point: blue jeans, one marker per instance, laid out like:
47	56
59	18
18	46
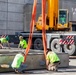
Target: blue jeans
21	68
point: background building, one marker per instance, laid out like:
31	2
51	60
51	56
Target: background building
15	15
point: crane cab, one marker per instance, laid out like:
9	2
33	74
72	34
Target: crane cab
63	19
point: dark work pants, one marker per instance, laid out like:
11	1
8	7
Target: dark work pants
21	68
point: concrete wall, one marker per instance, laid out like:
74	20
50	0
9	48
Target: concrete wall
11	15
28	14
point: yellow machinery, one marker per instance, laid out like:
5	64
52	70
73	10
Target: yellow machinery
56	19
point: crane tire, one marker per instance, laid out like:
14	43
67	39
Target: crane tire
38	44
70	51
55	46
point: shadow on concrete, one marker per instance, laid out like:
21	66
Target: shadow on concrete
69	69
44	71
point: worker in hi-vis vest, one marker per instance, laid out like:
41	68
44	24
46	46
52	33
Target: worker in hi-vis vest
52	61
22	43
18	63
4	40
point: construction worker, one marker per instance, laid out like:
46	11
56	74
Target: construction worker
52	61
18	63
23	43
4	40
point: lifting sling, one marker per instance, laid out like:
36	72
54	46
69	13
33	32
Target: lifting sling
43	26
32	28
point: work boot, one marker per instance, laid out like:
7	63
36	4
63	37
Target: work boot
17	72
55	69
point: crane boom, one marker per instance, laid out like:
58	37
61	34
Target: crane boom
52	12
